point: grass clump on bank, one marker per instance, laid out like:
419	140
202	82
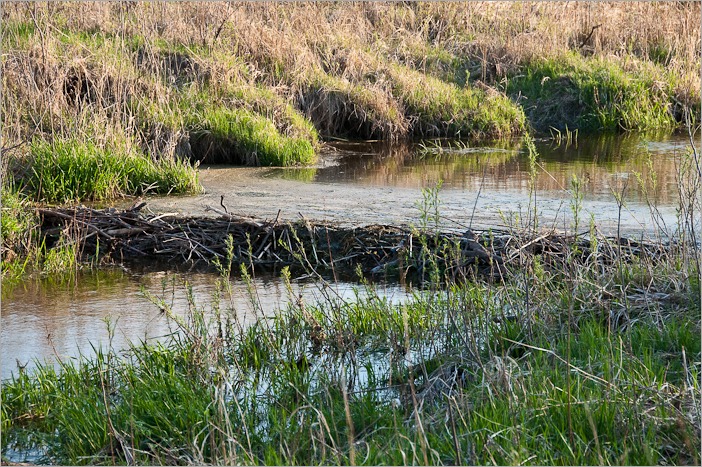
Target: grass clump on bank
69	170
73	170
18	228
235	135
443	109
595	94
24	251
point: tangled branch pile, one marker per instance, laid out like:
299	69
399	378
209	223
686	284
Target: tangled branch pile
376	249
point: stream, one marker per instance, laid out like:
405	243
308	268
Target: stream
482	187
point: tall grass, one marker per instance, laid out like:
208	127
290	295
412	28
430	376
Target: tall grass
381	71
18	228
17	221
444	109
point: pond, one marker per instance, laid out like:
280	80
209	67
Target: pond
354	183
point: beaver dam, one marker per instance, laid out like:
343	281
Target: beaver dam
391	251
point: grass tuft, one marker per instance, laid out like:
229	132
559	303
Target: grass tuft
239	136
71	170
596	94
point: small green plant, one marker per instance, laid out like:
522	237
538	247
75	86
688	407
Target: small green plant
18	222
532	158
576	201
60	259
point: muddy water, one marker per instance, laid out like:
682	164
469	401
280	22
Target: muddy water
46	320
365	183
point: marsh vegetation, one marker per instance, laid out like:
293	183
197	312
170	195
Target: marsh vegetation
552	348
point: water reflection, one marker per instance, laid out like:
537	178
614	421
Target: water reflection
45	319
603	164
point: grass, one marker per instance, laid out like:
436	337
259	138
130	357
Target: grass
444	109
595	94
571	361
24	252
17	221
339	107
398	72
71	170
18	225
235	135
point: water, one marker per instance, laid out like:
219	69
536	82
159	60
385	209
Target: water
601	163
354	183
367	183
46	320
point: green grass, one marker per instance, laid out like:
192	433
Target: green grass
71	170
288	120
18	226
236	135
24	252
595	94
17	219
444	109
18	33
443	378
238	124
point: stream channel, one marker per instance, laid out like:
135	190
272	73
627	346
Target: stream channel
353	184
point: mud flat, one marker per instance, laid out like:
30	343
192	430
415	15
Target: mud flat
253	192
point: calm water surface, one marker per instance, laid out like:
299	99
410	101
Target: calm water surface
486	187
601	163
45	320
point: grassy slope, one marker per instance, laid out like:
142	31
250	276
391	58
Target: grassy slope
596	94
366	71
259	87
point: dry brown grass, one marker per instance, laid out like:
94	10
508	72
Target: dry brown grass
295	33
331	61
